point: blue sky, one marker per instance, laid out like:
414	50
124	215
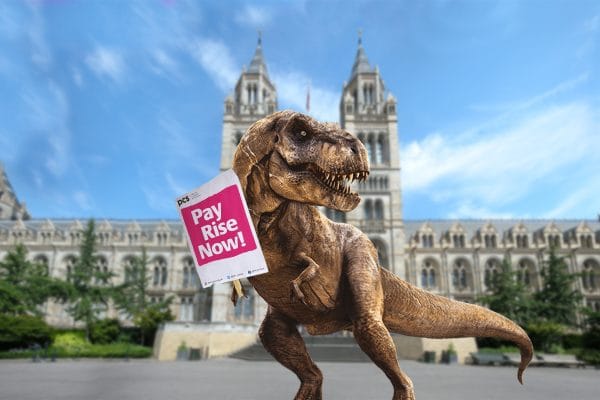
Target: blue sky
111	109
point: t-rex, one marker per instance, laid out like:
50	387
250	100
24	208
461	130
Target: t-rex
325	275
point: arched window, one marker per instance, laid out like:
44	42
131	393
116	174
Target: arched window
129	269
371	151
160	272
524	273
101	270
204	302
156	276
554	241
522	241
427	240
428	275
586	241
188	273
238	138
186	309
460	275
70	262
186	277
491	270
458	240
490	241
42	260
382	254
369	209
379	215
589	275
379	150
368	93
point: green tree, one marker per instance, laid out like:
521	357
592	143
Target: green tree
508	296
25	285
132	298
558	301
149	319
91	291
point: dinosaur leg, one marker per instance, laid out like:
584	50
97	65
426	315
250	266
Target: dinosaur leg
280	337
366	312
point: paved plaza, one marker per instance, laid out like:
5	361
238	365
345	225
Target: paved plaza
225	379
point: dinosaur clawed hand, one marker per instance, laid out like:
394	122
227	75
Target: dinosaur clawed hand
296	295
235	297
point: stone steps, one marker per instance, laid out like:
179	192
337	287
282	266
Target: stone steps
321	348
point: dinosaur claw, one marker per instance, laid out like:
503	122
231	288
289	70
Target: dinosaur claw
296	294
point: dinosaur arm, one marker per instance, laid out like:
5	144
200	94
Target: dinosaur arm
306	275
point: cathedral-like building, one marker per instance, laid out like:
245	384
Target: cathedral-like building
455	258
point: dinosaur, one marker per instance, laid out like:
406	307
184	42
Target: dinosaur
325	275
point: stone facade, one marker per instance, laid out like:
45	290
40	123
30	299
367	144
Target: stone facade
454	258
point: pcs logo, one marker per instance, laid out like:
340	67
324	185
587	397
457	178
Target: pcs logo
182	200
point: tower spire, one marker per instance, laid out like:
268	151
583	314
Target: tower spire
258	65
361	62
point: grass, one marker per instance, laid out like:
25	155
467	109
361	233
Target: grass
74	345
113	350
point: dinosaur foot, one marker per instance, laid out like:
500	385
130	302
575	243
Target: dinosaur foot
404	394
309	391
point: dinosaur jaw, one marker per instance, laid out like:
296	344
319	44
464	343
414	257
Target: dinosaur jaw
309	183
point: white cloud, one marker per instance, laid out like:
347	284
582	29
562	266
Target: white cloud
48	111
177	188
593	24
214	56
504	165
574	203
292	92
82	199
162	63
104	61
254	16
590	33
40	54
77	77
468	210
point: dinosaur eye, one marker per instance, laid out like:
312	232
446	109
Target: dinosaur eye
302	135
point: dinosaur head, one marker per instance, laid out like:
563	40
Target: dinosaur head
306	161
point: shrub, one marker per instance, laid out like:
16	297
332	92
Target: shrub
572	341
114	350
546	336
492	343
105	331
23	331
590	356
70	343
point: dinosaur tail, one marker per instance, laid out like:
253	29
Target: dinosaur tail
414	312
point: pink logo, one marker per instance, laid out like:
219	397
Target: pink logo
218	226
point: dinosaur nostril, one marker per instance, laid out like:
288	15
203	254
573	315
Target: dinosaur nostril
354	150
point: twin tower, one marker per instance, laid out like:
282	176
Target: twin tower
368	112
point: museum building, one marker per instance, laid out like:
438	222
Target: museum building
454	258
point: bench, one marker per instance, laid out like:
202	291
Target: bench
488	359
560	360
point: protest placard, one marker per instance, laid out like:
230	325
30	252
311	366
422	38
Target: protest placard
220	232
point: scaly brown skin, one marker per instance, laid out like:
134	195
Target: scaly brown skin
325	275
